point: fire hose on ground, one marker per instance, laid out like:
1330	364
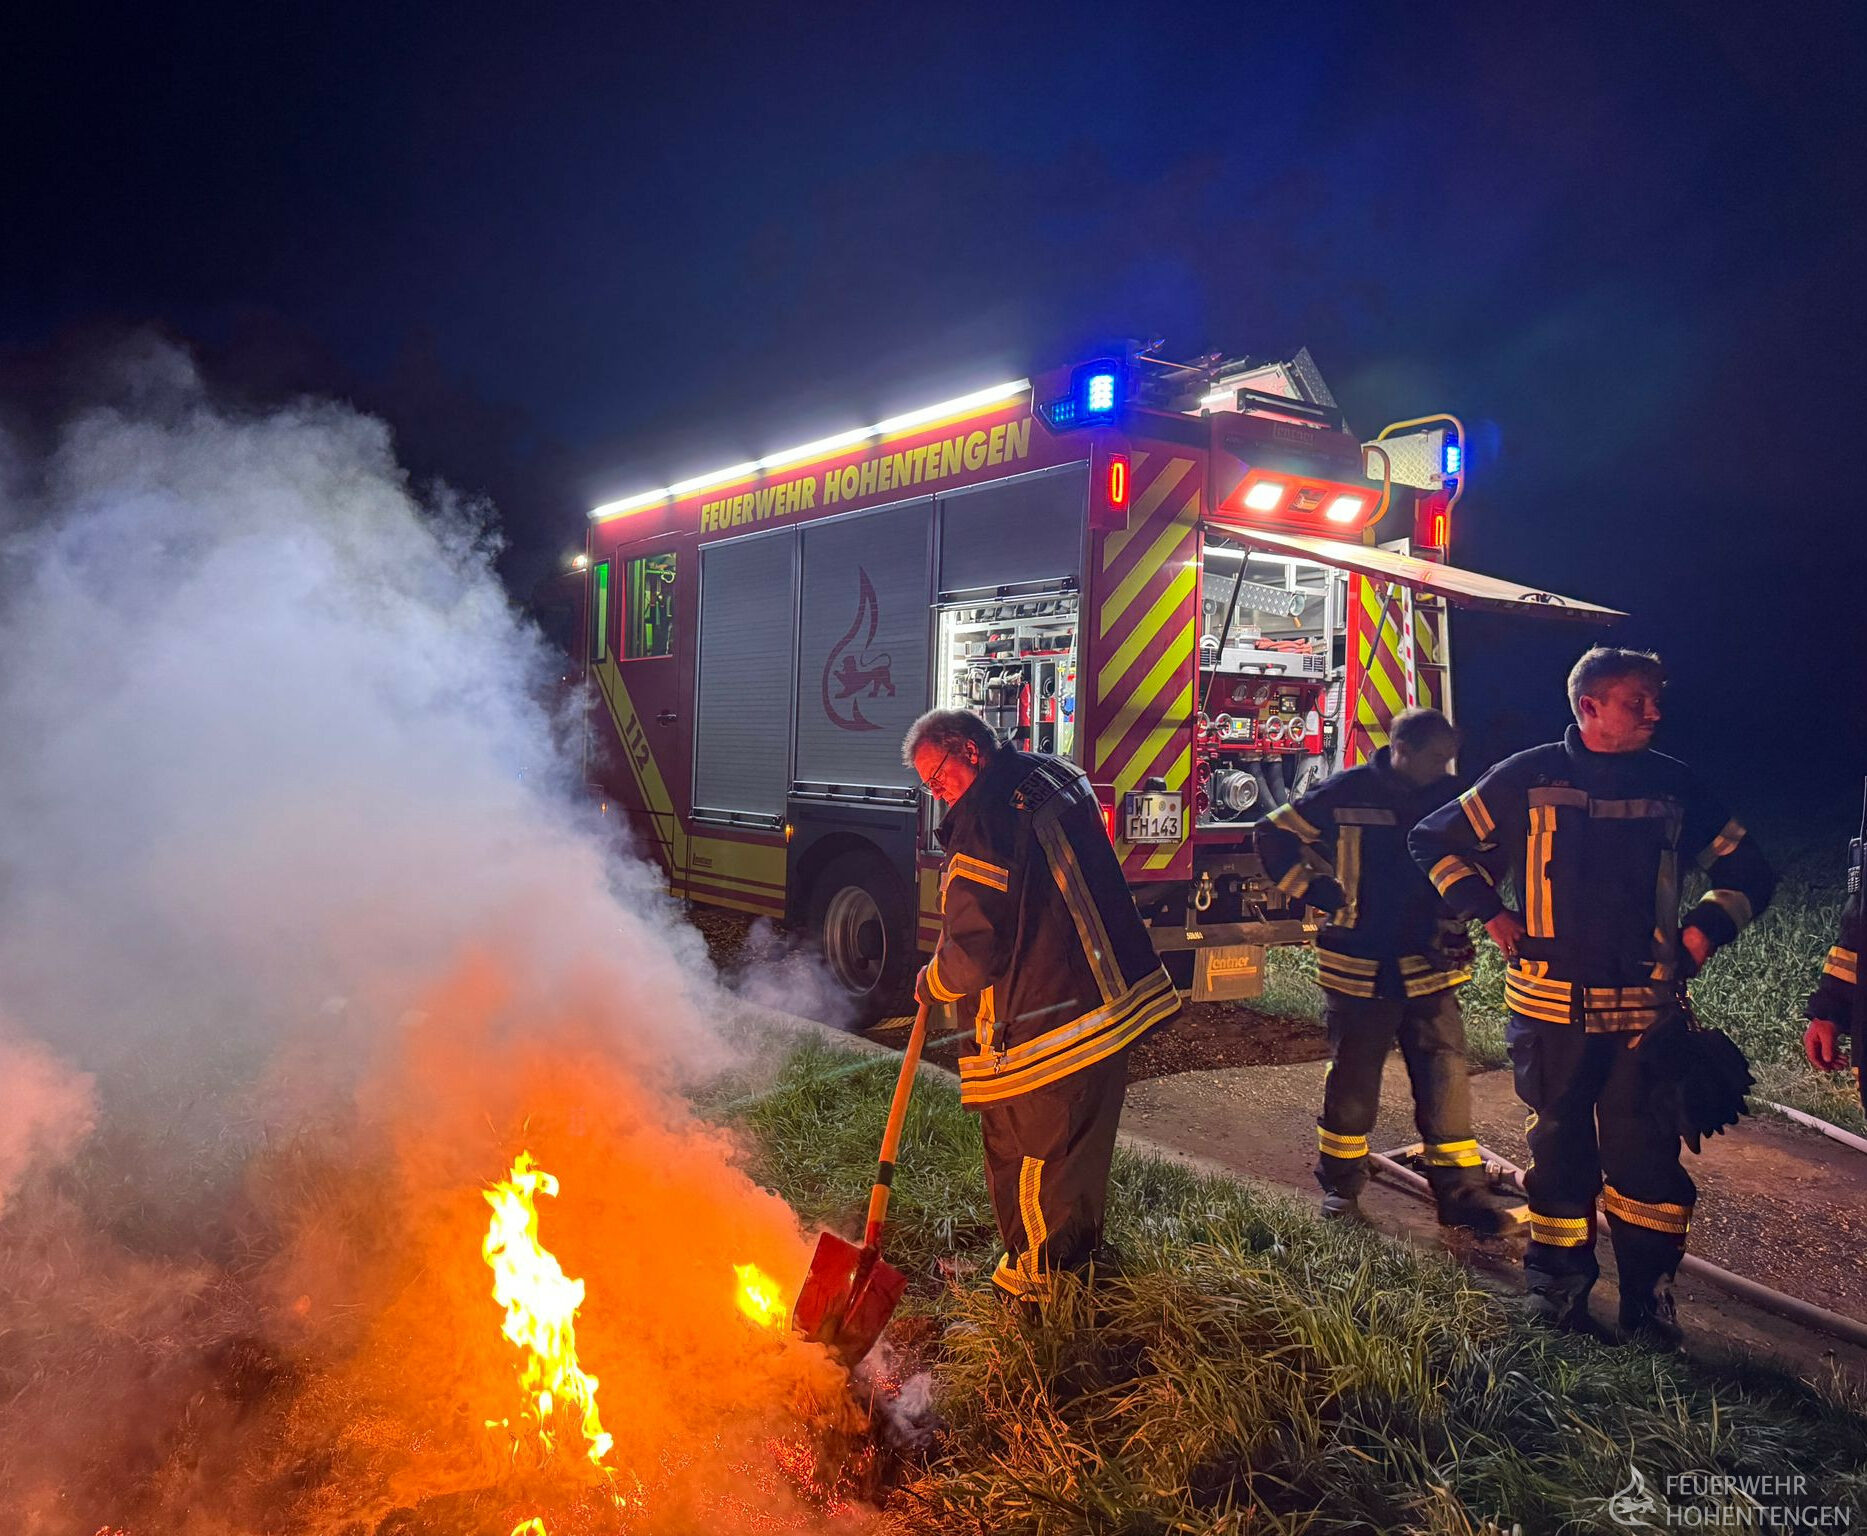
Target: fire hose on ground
1805	1313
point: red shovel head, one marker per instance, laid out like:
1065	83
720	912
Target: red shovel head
847	1299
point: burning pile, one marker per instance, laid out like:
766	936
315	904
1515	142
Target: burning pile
541	1303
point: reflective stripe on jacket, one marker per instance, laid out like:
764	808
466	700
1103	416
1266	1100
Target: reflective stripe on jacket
1040	941
1343	848
1597	846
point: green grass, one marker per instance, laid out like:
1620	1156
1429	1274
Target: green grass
1248	1369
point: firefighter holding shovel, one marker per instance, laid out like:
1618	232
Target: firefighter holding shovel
1044	957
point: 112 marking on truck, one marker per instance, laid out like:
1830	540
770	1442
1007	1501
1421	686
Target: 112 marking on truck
1191	579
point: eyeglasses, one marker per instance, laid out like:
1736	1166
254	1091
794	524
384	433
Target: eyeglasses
933	782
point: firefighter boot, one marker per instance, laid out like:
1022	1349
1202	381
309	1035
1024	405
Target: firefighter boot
1345	1209
1465	1201
1482	1213
1560	1301
1652	1318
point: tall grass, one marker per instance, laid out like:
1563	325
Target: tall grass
1244	1368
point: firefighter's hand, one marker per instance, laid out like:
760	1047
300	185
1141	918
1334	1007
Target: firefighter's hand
1821	1043
1505	930
1697	945
923	994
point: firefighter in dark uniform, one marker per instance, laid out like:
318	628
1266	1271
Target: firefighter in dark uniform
1390	961
1597	833
1043	955
1835	1010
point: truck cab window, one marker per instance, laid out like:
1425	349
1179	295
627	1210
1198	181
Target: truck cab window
649	607
599	611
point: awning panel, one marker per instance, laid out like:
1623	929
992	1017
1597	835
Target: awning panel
1463	589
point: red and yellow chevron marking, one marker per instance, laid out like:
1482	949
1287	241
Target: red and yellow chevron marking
1145	633
1377	675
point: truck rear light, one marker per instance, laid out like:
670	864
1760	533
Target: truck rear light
1099	393
1265	496
1345	509
1115	482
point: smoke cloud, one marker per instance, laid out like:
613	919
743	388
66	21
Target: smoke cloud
305	931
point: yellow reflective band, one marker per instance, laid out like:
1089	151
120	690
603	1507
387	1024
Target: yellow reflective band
1448	872
1735	904
938	987
1561	1231
987	1078
1656	1217
1348	875
1296	879
1843	965
1452	1154
1725	842
1291	819
1354	964
1341	1146
963	866
1436	981
1539	907
1081	905
1477	814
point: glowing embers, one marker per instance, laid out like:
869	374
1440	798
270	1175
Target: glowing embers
541	1304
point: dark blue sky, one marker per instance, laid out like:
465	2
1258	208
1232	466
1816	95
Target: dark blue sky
573	251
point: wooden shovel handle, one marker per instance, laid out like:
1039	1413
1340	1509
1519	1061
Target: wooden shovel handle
891	1138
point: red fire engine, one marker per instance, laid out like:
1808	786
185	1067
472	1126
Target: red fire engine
1168	573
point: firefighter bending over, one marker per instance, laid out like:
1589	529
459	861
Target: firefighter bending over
1390	961
1835	1010
1597	833
1043	955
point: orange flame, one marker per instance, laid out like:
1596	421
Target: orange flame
760	1298
541	1304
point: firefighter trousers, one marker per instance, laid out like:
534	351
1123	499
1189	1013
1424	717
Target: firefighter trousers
1595	1131
1047	1156
1431	1034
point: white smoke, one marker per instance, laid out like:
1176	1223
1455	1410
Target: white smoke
268	725
305	921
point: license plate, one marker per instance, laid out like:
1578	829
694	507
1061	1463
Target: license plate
1152	818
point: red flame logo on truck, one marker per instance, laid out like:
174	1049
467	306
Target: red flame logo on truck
851	672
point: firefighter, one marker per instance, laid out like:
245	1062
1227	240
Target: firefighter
1044	957
1597	832
1835	1011
1390	960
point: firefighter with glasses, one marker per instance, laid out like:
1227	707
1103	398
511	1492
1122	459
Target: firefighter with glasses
1390	960
1043	956
1597	833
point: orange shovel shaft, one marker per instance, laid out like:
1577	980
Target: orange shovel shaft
891	1138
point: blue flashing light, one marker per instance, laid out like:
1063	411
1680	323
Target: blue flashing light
1452	458
1099	394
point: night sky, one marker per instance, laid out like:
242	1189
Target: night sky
574	252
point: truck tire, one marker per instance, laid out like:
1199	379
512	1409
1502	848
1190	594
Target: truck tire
861	919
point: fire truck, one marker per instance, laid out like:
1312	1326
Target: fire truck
1191	579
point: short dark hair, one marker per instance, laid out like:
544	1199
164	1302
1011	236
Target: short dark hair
1604	664
1418	727
947	730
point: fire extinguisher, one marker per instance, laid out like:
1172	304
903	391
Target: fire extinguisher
1024	705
